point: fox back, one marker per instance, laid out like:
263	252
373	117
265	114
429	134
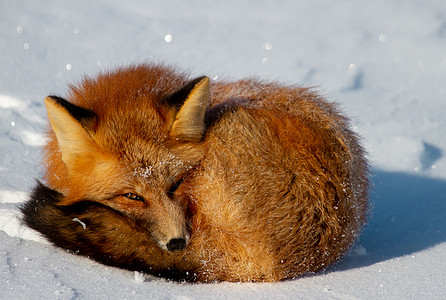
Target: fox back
149	170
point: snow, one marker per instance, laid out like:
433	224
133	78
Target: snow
384	62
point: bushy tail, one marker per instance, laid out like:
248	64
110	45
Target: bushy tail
65	226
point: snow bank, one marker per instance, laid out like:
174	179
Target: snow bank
384	62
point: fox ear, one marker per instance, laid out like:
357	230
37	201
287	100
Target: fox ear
72	125
188	125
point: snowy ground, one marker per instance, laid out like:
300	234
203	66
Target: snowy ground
383	61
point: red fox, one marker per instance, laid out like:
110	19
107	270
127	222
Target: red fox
196	180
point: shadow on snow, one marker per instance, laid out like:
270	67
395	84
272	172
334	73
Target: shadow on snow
408	215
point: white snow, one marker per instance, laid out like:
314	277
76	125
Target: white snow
384	62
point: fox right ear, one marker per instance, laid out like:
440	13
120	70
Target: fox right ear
188	125
72	125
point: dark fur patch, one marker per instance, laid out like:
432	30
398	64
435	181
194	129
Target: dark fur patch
55	222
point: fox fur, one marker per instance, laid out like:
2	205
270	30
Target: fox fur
195	180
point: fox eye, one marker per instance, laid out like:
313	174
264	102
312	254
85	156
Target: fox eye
174	187
132	196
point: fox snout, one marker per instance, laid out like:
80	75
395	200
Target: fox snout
168	224
173	242
177	244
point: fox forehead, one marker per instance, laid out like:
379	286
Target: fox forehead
151	162
169	166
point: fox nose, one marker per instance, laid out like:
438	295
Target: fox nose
176	244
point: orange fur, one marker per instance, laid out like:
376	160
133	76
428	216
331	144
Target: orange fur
273	184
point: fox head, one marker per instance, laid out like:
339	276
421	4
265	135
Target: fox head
130	144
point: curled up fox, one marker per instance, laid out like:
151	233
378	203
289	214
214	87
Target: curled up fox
190	179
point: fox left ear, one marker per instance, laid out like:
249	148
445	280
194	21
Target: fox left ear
72	126
188	125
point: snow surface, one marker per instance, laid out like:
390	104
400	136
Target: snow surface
383	61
